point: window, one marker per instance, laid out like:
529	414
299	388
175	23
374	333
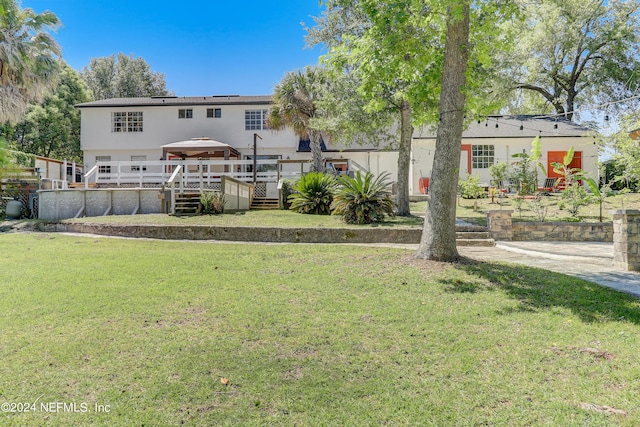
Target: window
214	113
185	113
255	119
122	121
482	156
264	168
136	168
103	168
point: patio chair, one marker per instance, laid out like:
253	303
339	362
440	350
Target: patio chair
549	185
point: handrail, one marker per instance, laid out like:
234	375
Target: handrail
197	172
176	175
358	166
59	184
88	174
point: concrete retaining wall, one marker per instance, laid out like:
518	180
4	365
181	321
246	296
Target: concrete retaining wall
563	231
253	234
501	227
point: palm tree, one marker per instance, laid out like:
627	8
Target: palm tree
295	105
28	58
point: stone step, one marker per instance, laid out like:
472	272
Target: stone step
475	242
465	228
472	235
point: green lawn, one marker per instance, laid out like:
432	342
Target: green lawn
264	218
306	335
465	211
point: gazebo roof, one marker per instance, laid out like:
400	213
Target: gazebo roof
200	147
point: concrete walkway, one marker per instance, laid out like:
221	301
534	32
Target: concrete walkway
589	261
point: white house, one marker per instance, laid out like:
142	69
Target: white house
497	138
133	130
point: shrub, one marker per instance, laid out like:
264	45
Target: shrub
575	196
212	202
363	200
314	194
470	188
286	191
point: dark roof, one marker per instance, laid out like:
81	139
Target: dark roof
178	101
521	126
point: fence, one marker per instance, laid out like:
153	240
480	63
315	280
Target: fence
27	195
199	173
238	195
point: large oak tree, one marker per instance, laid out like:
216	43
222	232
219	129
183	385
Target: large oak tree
122	77
573	53
397	49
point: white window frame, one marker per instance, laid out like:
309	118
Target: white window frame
263	168
185	113
103	168
136	168
214	113
126	121
255	119
482	156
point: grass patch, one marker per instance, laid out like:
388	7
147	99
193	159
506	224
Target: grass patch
305	335
465	211
262	218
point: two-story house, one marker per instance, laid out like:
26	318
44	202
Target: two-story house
141	129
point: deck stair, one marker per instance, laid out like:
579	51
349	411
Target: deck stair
264	203
473	235
188	204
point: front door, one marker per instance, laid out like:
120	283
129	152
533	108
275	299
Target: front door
558	157
465	161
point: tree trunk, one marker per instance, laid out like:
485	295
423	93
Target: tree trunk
438	240
571	97
404	157
315	139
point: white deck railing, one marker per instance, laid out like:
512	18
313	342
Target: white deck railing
194	172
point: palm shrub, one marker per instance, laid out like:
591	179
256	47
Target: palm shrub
314	194
363	200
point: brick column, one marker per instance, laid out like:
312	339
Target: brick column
499	225
626	239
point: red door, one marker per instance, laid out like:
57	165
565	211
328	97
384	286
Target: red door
465	161
557	157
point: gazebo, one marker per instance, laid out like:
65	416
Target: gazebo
200	148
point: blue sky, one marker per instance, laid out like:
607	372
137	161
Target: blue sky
203	47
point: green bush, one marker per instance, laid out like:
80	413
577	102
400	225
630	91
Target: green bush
212	202
314	194
286	191
363	200
470	188
574	197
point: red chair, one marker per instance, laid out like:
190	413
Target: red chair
424	185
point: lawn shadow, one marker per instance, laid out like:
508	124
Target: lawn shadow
538	289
